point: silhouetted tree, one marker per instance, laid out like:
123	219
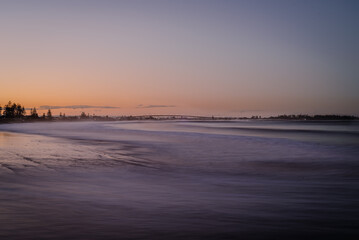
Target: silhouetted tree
33	113
49	114
83	115
9	110
13	110
19	111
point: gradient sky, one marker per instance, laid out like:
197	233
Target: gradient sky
182	57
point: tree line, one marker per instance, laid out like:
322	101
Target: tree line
17	111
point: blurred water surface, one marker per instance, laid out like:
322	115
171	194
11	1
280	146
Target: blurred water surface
179	180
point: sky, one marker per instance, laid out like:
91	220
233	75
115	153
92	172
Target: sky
225	58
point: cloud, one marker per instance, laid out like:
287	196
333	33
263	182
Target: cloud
44	107
155	106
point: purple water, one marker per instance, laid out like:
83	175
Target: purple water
179	180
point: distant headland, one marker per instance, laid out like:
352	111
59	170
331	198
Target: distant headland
16	113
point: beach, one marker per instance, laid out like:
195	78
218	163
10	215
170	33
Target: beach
179	180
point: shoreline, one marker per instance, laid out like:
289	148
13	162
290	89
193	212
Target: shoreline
145	118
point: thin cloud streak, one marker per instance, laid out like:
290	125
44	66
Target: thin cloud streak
155	106
44	107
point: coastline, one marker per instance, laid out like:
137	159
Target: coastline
319	118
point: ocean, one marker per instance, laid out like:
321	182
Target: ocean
249	179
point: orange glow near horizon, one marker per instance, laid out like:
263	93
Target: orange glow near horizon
207	63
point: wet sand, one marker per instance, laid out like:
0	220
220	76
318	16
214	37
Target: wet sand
96	181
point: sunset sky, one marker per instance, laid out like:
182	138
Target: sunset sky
222	57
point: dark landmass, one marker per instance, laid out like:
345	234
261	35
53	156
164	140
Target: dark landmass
315	117
16	113
176	117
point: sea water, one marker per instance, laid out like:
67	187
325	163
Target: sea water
179	180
